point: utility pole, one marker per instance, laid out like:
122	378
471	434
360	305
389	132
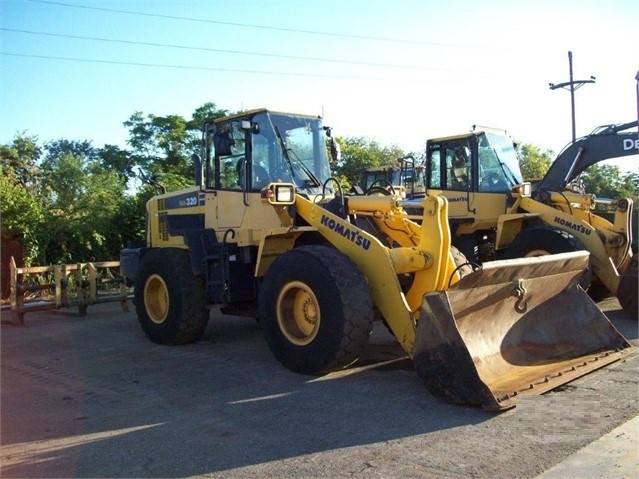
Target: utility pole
572	86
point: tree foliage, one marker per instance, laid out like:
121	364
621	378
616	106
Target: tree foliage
162	145
533	162
119	160
21	204
67	201
607	181
359	153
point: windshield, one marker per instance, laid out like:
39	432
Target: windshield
300	153
382	177
246	153
498	163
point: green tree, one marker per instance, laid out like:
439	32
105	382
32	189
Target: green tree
64	180
533	162
21	212
22	158
82	198
159	143
121	161
127	227
68	201
631	182
81	149
21	205
207	112
163	145
606	181
360	153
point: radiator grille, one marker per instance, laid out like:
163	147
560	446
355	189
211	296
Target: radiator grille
162	228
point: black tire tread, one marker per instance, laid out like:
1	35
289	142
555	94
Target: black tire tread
188	322
351	294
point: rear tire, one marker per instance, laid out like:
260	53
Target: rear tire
315	309
169	298
627	290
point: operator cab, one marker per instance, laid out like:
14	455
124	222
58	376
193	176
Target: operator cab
478	162
246	152
478	173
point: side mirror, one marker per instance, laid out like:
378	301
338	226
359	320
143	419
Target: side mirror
197	169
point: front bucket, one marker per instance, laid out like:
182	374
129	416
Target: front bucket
520	326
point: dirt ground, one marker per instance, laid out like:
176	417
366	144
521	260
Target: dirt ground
92	397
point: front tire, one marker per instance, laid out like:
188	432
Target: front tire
315	310
541	241
169	298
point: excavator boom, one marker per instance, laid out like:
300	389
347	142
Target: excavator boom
613	141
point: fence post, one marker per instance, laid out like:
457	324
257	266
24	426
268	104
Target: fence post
16	297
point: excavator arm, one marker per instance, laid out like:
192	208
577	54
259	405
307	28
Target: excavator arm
604	143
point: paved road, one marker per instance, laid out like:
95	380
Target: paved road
92	397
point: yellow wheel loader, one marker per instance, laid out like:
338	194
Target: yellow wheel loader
267	232
405	177
494	214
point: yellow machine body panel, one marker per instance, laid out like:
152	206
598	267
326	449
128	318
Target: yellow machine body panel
608	246
473	211
190	202
218	211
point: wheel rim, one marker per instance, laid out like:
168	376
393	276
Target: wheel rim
156	299
536	252
298	313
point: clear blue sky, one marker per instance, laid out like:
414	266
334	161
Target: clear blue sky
396	71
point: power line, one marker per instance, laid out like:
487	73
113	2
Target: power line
217	50
190	67
255	26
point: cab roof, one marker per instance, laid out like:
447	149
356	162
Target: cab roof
251	113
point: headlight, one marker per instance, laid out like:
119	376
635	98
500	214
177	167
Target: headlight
523	189
279	193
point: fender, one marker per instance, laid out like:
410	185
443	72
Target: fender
509	226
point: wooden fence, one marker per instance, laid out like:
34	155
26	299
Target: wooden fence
41	288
